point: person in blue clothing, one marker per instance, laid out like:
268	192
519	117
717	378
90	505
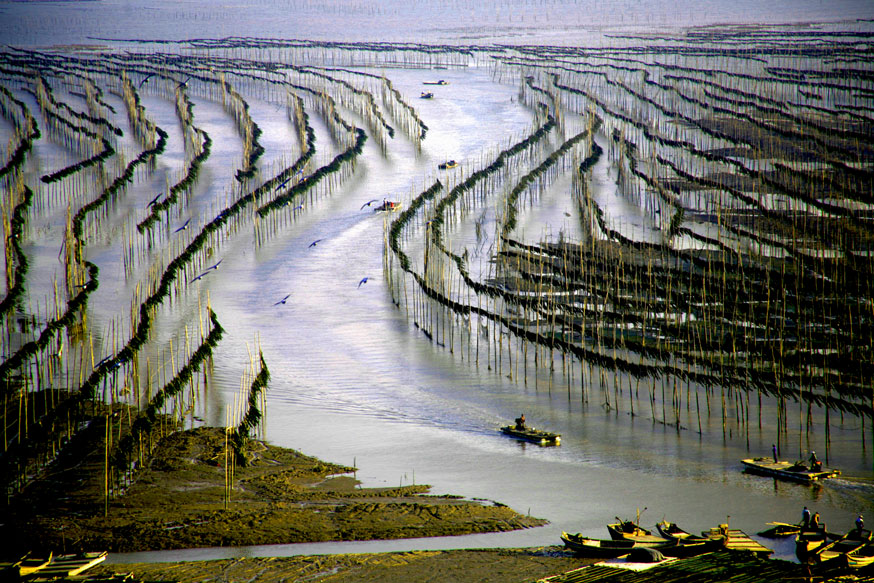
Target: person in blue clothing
860	524
805	518
774	451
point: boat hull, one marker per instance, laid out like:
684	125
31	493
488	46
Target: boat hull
591	548
787	471
533	435
631	532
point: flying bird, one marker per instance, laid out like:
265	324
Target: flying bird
184	82
183	227
214	266
368	203
154	200
149	76
363	280
201	276
283	300
313	244
284	182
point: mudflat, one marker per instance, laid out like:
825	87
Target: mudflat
187	494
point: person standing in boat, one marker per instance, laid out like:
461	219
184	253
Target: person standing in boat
815	464
860	524
774	451
814	522
805	518
520	422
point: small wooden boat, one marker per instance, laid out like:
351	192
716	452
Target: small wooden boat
29	565
533	435
858	558
438	82
627	530
426	95
691	547
388	205
591	548
671	531
448	165
807	541
609	549
780	530
817	548
797	472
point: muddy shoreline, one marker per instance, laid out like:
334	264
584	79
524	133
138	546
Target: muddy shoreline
188	495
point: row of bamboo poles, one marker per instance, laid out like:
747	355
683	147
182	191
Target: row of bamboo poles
748	277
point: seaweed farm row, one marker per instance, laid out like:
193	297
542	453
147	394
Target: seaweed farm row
717	262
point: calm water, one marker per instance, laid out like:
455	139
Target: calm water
352	381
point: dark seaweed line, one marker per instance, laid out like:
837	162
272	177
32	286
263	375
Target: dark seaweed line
252	417
107	152
348	155
736	164
497	164
117	184
94	121
26	142
16	228
146	419
253	132
580	352
719	134
186	116
423	129
713	285
31	348
525	182
187	181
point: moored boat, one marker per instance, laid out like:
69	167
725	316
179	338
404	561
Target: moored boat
448	165
671	531
591	548
533	435
797	472
780	530
426	95
858	558
627	530
819	547
438	82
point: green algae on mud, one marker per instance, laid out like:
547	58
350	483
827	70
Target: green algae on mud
179	500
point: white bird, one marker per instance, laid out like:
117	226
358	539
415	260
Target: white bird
313	244
283	300
368	203
183	227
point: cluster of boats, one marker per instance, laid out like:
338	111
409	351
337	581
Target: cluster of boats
853	550
627	537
